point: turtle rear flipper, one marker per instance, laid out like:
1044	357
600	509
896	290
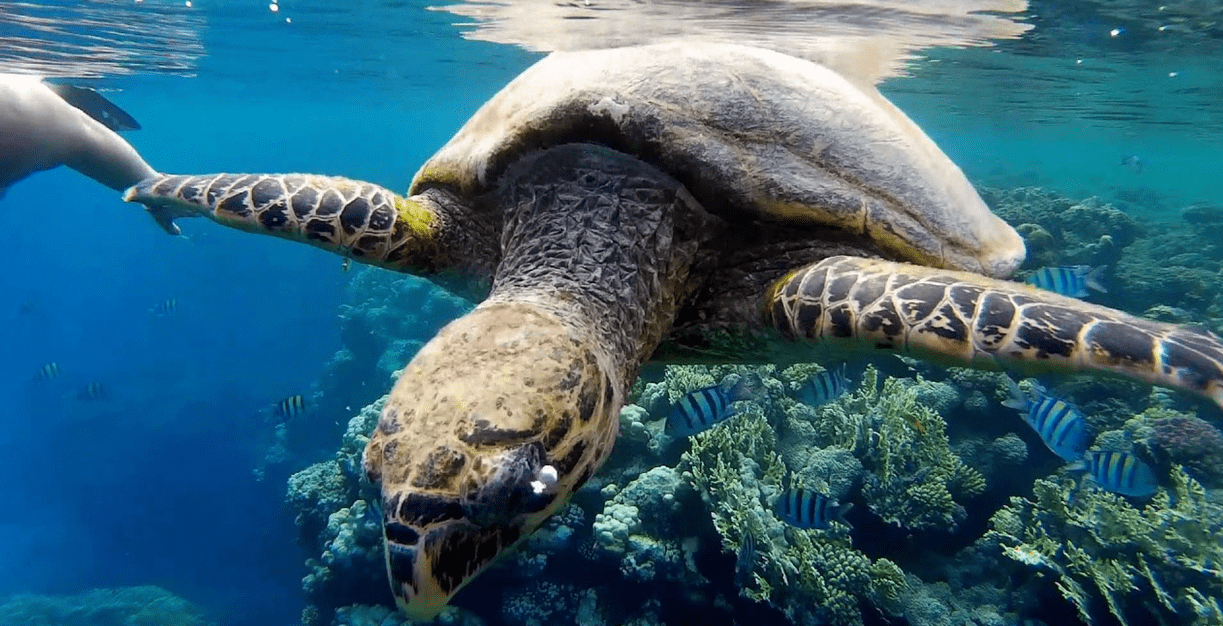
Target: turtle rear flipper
969	319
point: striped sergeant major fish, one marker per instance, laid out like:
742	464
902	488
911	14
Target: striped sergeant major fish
707	407
1073	281
290	407
92	391
162	309
1061	426
824	387
1118	472
48	371
803	508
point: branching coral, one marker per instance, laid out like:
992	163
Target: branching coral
1158	563
913	477
813	576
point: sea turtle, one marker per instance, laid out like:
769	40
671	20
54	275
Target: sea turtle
679	202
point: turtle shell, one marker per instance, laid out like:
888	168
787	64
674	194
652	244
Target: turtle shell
753	134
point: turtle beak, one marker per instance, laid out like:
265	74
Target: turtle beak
435	546
425	576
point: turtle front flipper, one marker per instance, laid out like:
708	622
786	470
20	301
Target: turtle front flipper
429	234
983	322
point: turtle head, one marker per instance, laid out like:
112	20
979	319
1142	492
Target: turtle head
487	433
435	546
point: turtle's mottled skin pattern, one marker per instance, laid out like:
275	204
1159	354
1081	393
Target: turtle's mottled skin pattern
965	318
430	233
541	392
537	374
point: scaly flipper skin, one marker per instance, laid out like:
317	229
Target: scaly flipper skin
429	234
988	323
596	251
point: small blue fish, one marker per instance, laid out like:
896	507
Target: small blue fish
48	371
824	387
803	508
704	408
162	309
745	561
92	391
1061	426
1133	162
291	407
1073	281
1118	472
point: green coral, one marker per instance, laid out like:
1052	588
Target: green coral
813	576
914	478
680	379
1099	544
847	423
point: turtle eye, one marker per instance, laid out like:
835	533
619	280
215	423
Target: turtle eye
521	484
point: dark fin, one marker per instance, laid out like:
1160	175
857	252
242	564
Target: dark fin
96	106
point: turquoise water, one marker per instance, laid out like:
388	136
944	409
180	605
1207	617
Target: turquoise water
178	478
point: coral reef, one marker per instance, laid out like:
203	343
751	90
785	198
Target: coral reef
128	606
649	501
1152	563
1169	271
1060	231
912	479
389	316
353	547
1192	442
337	523
815	577
943	604
551	603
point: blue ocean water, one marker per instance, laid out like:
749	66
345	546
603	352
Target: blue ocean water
157	485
